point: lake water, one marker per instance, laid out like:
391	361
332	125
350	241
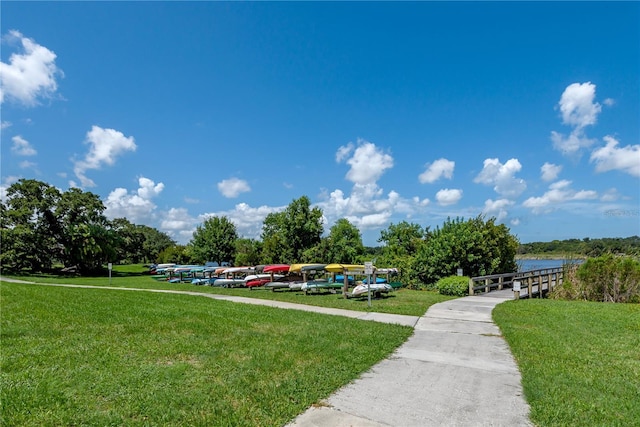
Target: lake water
536	264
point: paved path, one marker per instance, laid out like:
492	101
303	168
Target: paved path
455	370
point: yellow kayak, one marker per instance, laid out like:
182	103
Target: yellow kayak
297	268
345	268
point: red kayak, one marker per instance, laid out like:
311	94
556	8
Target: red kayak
257	283
276	268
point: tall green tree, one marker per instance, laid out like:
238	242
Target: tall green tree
129	241
344	243
274	245
401	242
214	240
476	246
178	254
85	234
29	226
288	234
248	252
41	226
154	243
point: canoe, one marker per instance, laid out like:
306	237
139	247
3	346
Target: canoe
229	283
296	286
277	285
236	270
345	268
378	280
256	283
254	280
319	285
283	282
376	290
297	268
276	268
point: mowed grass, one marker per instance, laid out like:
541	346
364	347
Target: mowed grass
580	361
405	301
75	356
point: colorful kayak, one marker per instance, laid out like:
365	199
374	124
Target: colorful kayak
276	268
376	290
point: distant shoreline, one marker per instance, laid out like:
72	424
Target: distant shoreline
550	256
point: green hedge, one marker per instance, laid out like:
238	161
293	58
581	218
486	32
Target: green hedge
453	285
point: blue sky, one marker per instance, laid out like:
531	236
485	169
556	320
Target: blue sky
379	112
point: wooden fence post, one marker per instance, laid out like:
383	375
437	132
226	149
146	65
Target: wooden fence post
470	286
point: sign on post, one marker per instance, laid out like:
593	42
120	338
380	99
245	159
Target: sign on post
368	270
110	267
368	267
516	289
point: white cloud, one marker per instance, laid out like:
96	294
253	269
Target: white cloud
105	145
609	102
149	189
248	220
446	197
368	162
177	219
578	110
436	170
5	125
21	147
136	206
559	193
344	152
611	195
502	177
370	221
424	202
6	183
549	171
610	157
577	106
233	187
27	164
571	144
178	224
497	208
29	75
367	206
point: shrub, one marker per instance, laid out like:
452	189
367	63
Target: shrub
477	246
453	285
607	278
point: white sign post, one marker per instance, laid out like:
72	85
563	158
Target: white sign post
516	289
110	267
368	270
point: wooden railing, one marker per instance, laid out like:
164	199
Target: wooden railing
525	284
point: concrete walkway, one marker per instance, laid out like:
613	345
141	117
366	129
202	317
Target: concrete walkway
455	370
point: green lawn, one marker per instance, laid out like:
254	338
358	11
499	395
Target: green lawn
151	359
97	357
404	301
580	361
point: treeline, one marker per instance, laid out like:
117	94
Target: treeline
587	247
42	227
